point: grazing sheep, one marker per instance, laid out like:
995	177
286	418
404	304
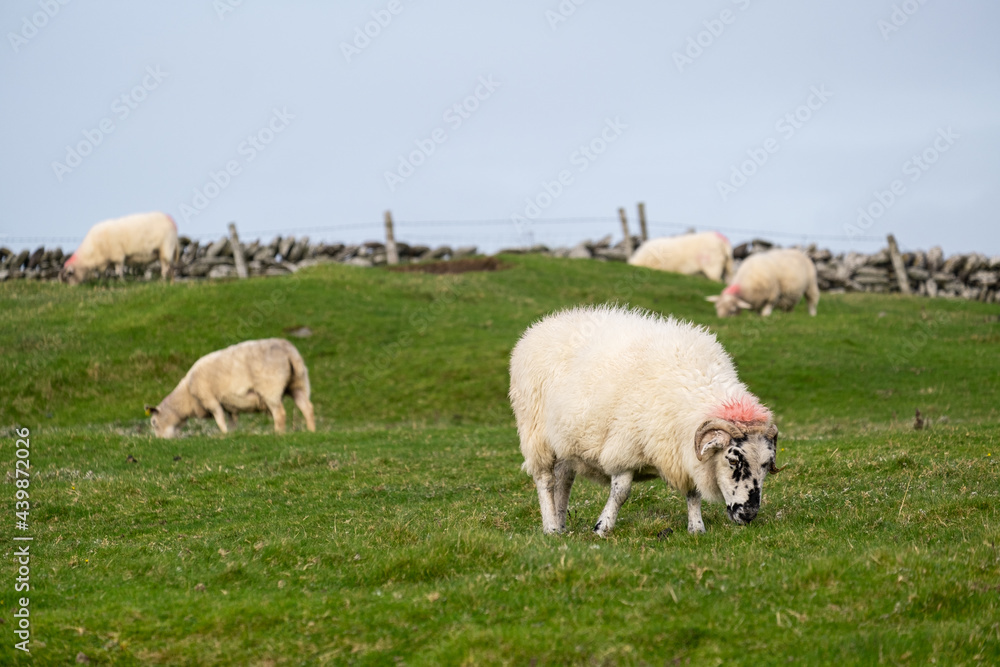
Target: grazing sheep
621	395
708	253
246	377
768	279
139	238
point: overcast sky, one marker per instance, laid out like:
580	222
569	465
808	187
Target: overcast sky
513	122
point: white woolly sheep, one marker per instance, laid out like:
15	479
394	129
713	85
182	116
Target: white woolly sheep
621	395
708	253
247	377
142	237
768	279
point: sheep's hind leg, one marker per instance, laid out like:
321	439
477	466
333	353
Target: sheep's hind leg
565	474
621	486
695	524
305	406
812	298
546	483
277	410
166	270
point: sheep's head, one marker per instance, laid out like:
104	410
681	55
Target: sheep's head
70	273
165	421
729	302
743	454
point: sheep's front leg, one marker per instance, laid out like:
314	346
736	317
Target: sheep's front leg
546	483
120	269
220	417
565	474
767	309
695	524
621	486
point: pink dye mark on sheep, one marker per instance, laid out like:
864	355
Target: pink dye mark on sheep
745	408
72	258
722	236
732	289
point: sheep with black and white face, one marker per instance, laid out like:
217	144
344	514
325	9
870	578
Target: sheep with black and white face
619	396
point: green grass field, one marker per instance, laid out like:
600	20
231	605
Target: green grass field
404	532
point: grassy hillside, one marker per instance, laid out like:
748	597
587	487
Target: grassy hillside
403	530
405	347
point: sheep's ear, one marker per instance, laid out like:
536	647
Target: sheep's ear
151	410
714	434
713	298
772	433
743	304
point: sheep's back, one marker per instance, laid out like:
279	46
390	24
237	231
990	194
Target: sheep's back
134	236
588	376
262	365
680	254
775	272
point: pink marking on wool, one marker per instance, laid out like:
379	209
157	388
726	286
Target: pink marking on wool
722	236
732	289
72	258
171	219
746	408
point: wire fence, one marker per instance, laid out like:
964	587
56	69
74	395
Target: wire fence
493	234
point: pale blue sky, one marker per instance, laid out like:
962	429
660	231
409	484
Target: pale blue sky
310	128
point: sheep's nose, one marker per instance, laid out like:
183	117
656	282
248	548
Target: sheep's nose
742	514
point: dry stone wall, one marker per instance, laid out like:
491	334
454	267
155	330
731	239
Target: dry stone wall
971	276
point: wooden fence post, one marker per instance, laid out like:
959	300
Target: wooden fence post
897	264
234	241
391	254
643	232
628	237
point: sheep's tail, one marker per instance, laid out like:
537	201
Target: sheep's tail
300	374
728	270
175	260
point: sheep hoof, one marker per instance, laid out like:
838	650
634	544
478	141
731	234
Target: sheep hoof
600	530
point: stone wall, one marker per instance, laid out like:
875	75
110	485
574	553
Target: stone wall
967	276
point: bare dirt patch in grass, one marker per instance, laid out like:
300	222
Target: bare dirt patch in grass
454	266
